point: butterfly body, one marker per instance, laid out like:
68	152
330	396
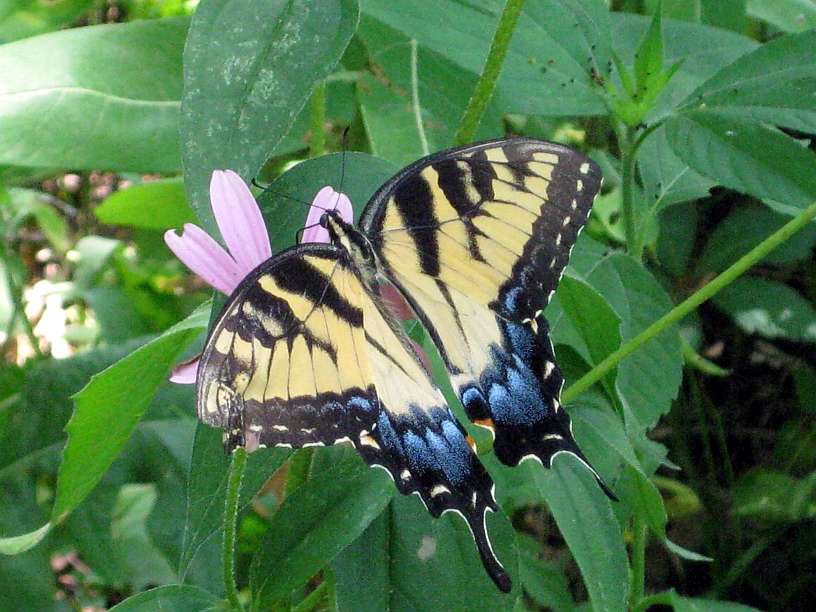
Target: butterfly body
475	240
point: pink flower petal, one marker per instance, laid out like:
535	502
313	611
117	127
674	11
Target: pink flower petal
326	199
205	257
186	372
320	204
343	206
239	220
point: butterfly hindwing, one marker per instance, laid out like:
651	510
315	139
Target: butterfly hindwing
304	355
477	239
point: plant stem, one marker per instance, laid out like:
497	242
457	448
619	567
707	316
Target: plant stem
317	143
490	74
653	600
17	306
628	150
753	256
299	469
236	475
423	140
638	556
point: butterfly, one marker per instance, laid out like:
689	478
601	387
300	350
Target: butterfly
476	238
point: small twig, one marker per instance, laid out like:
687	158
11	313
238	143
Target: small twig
423	140
490	74
688	305
236	475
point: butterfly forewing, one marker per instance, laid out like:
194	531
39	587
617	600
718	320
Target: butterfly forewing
304	355
477	239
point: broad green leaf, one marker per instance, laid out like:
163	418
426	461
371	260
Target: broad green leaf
313	524
649	56
24	18
676	237
15	545
787	15
695	604
249	68
773	84
648	379
386	103
26	580
586	521
745	228
156	205
769	308
110	407
703	51
724	147
543	579
547	66
666	178
406	560
176	597
728	14
591	317
770	496
286	201
207	487
110	93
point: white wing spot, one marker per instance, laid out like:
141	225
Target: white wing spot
558	240
548	369
427	548
566	222
439	490
584	168
574	204
579	186
405	475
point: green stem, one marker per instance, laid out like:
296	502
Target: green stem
628	150
317	144
17	305
299	469
423	140
638	556
236	475
688	305
490	74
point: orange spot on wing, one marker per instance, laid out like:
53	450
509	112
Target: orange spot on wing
486	423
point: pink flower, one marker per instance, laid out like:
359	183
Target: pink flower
242	227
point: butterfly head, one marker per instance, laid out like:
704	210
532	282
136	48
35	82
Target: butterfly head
347	237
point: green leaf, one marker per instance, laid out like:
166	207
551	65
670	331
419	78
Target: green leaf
703	51
111	93
284	203
543	579
649	56
158	205
386	104
24	18
647	380
207	487
250	67
592	318
772	496
110	407
724	147
666	178
585	518
176	597
787	15
742	230
15	545
773	84
768	308
548	63
407	560
313	524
